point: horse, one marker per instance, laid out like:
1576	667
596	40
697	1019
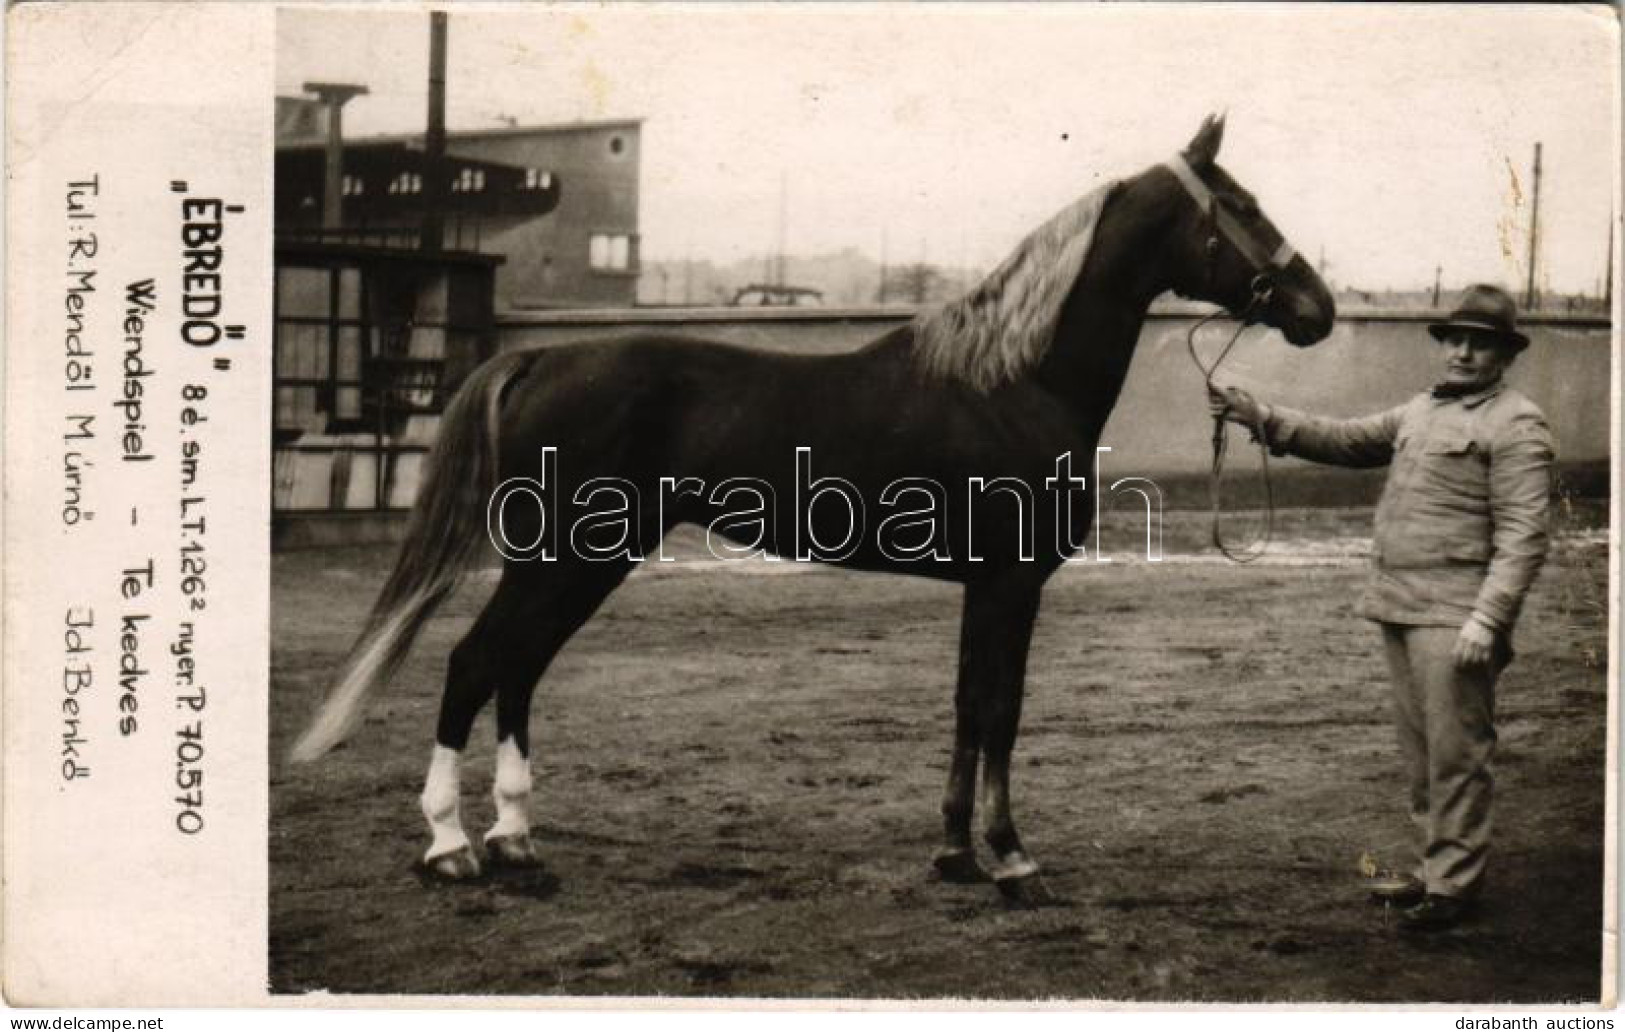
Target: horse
995	391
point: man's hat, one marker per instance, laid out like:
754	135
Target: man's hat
1484	309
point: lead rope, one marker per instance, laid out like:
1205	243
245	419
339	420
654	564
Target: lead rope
1221	444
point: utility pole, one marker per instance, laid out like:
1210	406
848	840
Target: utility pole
334	95
784	215
1438	273
1534	235
922	281
961	274
434	144
1608	279
880	295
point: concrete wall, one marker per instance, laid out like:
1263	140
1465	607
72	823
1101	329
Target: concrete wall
1160	428
811	330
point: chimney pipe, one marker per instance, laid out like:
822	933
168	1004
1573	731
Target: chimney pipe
334	95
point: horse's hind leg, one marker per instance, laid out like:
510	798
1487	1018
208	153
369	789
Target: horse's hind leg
564	596
449	854
532	614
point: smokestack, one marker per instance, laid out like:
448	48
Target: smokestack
334	95
434	144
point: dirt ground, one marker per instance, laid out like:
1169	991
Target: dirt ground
738	775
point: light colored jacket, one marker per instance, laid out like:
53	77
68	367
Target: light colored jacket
1462	526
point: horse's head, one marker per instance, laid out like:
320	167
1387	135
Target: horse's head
1228	253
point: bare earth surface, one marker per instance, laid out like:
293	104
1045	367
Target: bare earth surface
738	775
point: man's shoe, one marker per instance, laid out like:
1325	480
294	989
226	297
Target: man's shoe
1396	891
1435	914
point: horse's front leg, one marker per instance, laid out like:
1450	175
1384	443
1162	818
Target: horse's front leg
995	635
1001	629
956	862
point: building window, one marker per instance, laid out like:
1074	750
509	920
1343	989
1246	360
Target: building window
610	252
353	186
536	179
319	348
469	180
616	145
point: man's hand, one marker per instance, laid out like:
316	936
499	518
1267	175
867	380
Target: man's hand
1475	644
1237	406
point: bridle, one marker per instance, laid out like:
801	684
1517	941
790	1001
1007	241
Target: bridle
1266	264
1222	225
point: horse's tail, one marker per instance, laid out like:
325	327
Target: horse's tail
442	537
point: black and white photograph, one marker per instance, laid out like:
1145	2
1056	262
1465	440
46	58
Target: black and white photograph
860	505
896	502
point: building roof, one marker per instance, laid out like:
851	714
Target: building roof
454	135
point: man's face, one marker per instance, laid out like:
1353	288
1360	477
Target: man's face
1473	359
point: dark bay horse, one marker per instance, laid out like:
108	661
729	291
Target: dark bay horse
938	450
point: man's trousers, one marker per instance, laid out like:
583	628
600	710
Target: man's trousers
1445	716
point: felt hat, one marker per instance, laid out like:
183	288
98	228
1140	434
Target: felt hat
1484	309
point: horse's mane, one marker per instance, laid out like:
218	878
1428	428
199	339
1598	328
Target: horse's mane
1004	326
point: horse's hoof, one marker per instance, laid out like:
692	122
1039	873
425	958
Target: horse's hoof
458	865
1025	893
958	867
1018	881
515	850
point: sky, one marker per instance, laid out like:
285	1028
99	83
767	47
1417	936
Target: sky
1391	140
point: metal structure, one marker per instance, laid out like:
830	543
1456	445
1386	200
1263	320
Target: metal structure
369	342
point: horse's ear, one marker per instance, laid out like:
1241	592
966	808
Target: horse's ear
1204	146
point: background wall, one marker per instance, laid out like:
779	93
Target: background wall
1160	429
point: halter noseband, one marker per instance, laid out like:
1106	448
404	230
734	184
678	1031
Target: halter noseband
1225	225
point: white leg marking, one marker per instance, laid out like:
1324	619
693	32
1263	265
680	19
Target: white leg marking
441	804
511	789
1016	865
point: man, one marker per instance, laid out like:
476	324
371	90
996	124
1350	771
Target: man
1461	532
